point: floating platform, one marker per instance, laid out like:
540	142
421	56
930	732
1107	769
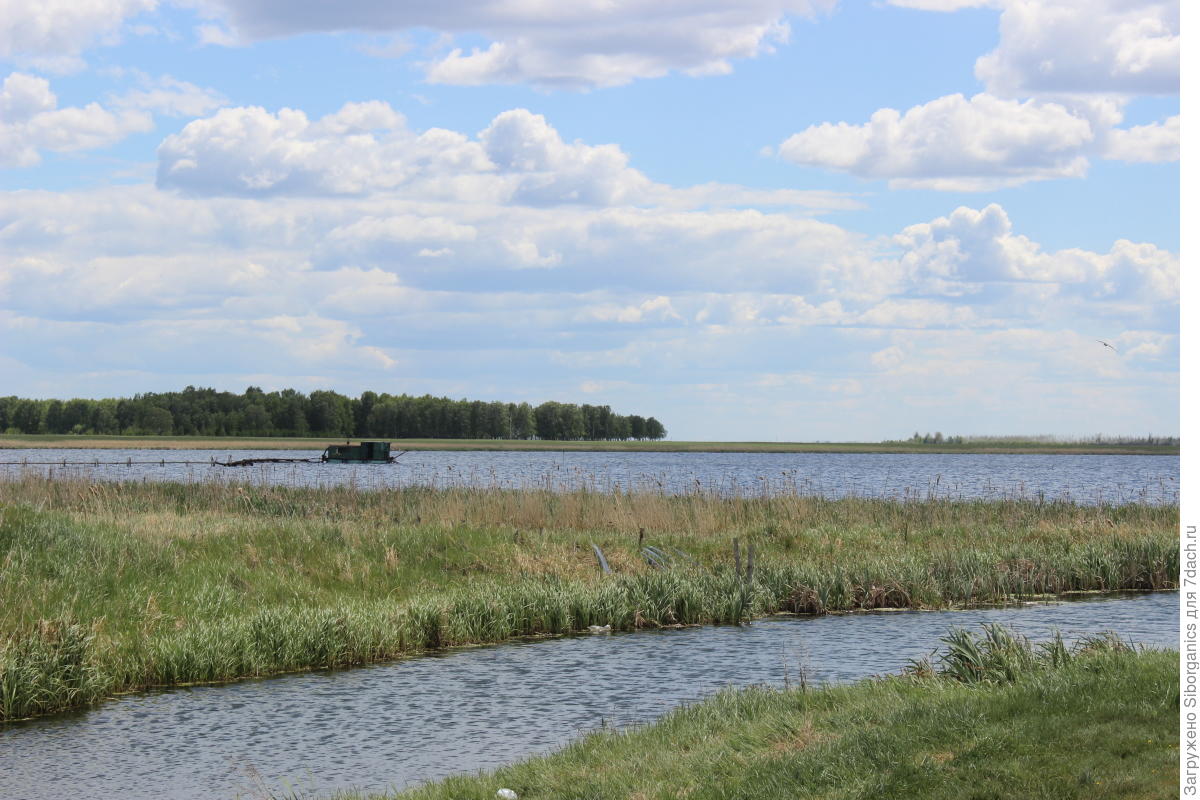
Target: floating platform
362	453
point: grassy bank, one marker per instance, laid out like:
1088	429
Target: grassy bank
14	441
114	587
1097	722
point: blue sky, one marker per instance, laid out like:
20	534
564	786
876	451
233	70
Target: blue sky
772	219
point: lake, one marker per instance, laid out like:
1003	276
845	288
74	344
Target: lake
1080	478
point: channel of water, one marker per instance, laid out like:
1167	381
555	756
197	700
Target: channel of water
419	719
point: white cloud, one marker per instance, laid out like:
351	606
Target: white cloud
51	33
367	147
888	357
519	142
1061	47
135	252
30	122
1156	142
215	35
171	97
575	45
1056	87
918	314
1084	46
978	246
656	308
952	143
985	143
132	278
945	5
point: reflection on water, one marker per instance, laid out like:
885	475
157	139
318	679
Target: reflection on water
1082	478
396	724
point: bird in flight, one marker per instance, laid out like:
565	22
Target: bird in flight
1109	346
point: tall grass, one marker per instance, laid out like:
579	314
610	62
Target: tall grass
112	587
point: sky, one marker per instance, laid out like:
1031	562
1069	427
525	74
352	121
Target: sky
774	220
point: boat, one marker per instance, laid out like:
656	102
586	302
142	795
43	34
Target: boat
361	453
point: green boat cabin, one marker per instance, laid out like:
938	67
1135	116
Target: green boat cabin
362	452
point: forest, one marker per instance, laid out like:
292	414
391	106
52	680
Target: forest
207	412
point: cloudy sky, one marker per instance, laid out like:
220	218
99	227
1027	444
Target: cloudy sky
762	219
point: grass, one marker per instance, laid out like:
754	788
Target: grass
288	443
1038	723
106	588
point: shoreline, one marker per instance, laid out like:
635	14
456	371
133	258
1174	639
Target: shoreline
1034	731
53	441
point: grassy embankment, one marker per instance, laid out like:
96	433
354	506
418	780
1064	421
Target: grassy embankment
16	441
107	588
1000	719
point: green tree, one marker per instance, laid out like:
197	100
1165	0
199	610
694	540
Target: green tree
155	420
255	421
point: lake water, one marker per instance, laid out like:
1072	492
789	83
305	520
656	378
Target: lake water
397	724
1081	478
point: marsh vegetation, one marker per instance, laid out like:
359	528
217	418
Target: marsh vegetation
111	587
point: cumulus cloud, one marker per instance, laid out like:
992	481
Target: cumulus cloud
52	33
983	143
367	147
952	143
1156	142
364	148
970	246
1077	46
576	46
31	121
1056	88
553	171
138	251
127	278
1084	46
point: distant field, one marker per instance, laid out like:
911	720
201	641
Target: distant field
284	443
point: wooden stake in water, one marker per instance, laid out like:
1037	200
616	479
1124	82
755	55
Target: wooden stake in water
737	559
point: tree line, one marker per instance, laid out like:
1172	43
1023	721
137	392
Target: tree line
207	412
1100	439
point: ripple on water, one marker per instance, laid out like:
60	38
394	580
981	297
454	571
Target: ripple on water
1082	478
459	711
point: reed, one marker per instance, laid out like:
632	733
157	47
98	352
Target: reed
107	588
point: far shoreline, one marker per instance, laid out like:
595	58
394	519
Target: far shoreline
101	442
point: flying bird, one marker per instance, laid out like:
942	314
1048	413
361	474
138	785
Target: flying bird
1109	346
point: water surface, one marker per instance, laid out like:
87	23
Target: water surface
1081	478
397	724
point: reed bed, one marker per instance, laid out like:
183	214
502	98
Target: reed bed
106	587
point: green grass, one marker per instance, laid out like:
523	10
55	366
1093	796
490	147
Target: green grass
106	588
292	443
1099	721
